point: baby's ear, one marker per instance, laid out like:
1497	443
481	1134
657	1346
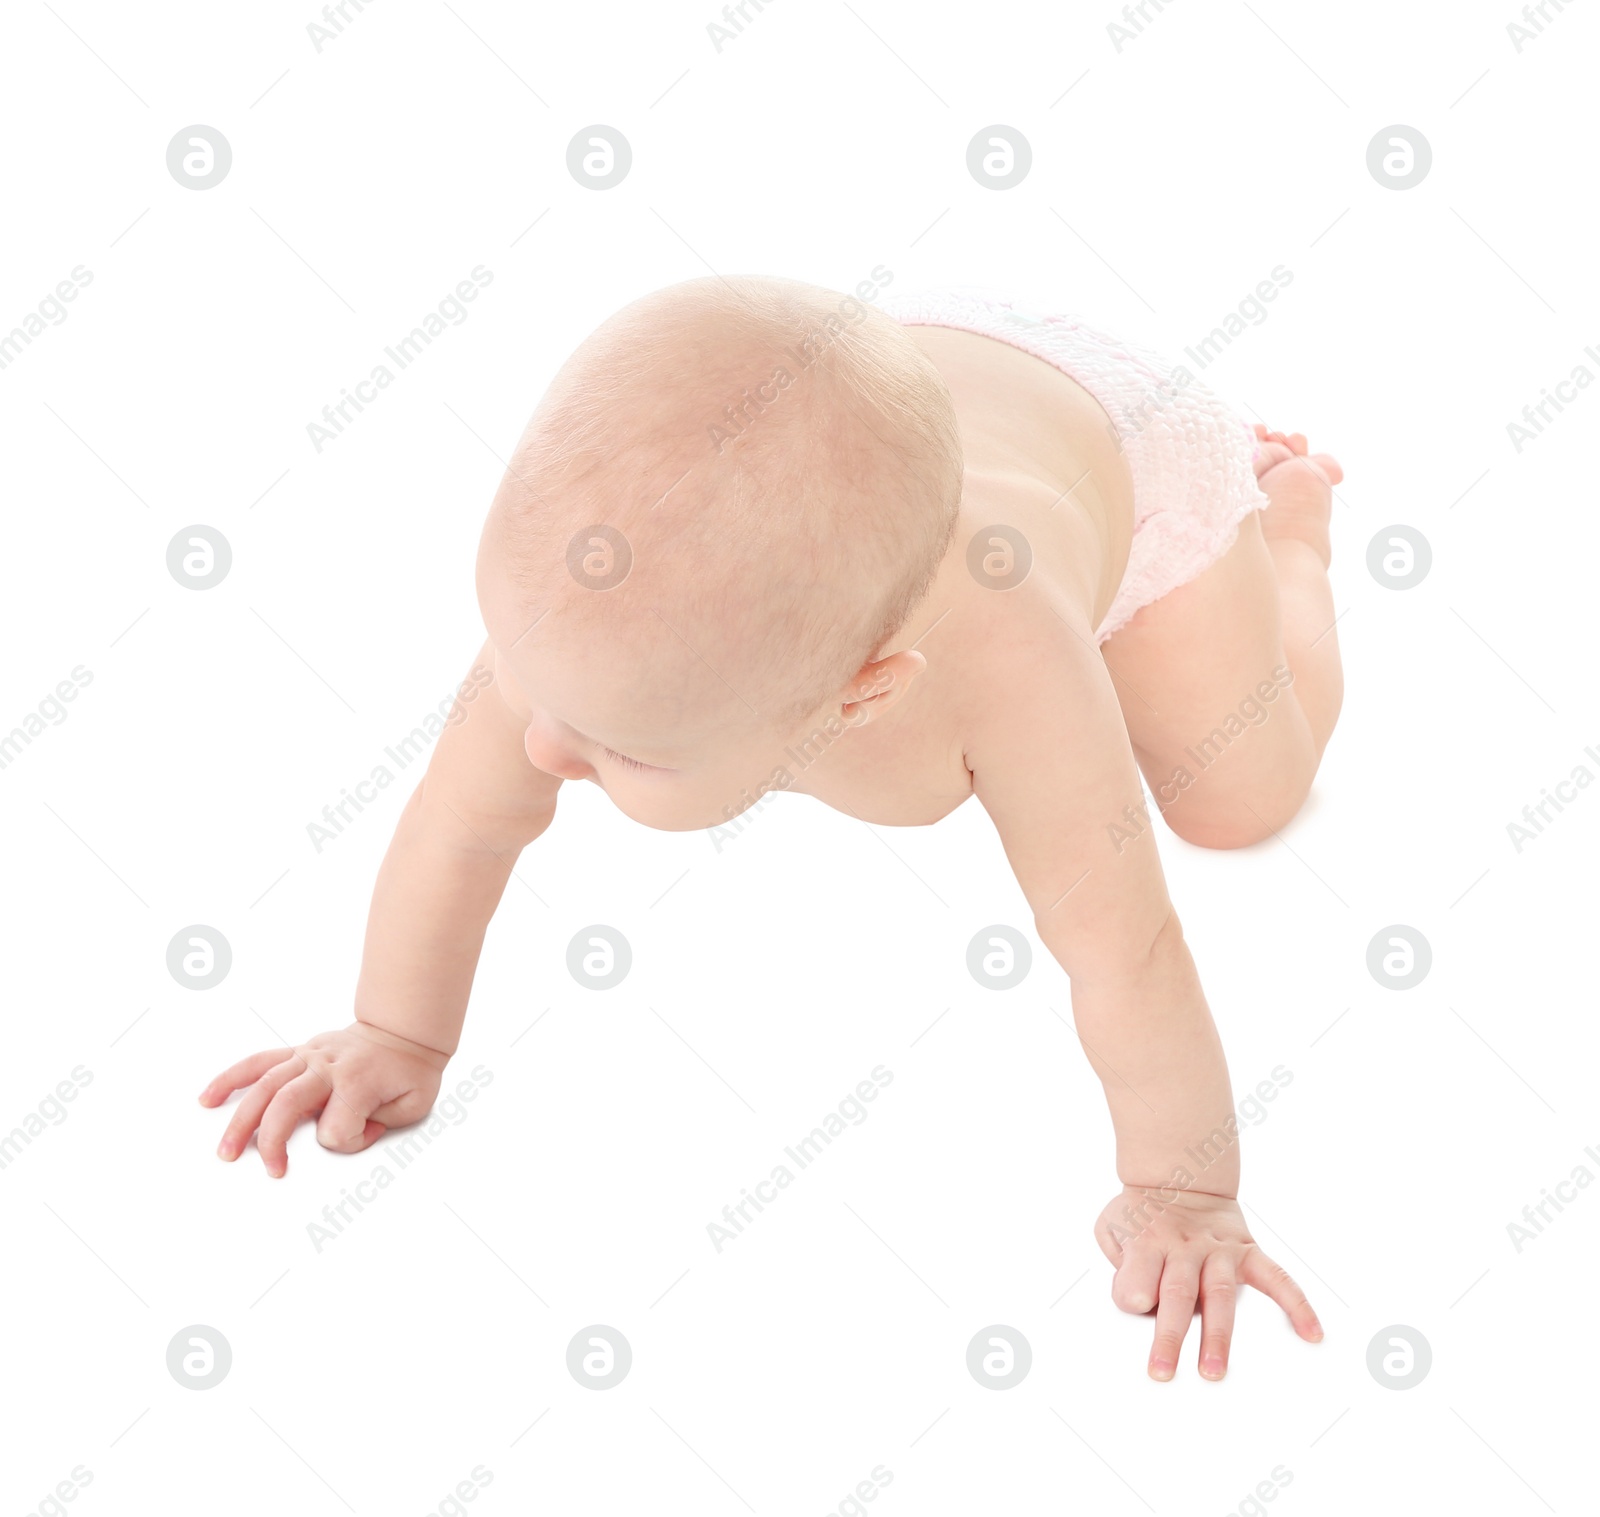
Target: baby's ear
878	685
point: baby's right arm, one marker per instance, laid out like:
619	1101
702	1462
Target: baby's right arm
480	803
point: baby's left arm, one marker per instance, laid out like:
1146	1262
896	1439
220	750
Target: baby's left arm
1053	765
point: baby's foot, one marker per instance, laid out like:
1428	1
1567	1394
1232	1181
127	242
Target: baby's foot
1300	486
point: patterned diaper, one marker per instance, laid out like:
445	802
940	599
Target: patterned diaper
1189	456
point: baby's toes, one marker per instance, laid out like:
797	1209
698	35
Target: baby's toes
1329	466
1303	478
1269	455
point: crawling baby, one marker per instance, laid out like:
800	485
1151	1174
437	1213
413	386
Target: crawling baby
947	547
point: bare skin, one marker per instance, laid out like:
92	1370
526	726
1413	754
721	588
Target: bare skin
999	694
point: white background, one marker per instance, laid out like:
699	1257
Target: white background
771	976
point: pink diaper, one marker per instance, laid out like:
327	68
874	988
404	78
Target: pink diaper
1189	456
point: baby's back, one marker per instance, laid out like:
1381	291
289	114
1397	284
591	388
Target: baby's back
1043	536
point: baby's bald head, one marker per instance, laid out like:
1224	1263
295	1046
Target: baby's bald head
752	477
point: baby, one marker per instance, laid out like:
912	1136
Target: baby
938	547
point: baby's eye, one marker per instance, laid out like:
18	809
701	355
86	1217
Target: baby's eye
623	758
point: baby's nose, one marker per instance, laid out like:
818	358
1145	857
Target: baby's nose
555	757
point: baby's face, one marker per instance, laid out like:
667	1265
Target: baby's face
636	710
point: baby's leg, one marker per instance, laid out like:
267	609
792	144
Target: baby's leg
1228	766
1296	530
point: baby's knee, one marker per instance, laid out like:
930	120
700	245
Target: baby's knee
1221	832
1244	817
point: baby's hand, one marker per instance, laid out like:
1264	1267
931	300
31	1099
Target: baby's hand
1171	1254
362	1080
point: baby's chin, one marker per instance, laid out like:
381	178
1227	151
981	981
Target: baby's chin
690	802
663	813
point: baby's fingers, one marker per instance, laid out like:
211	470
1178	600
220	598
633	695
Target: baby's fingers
303	1095
356	1118
1218	1293
1138	1278
1180	1285
245	1072
346	1124
256	1100
1274	1280
411	1107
